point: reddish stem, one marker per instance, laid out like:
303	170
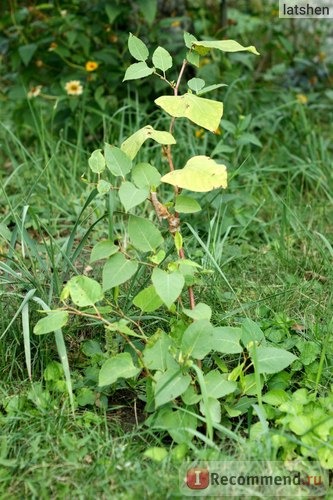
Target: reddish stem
171	166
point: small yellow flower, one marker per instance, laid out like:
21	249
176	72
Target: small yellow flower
199	133
34	91
175	24
91	65
74	87
302	99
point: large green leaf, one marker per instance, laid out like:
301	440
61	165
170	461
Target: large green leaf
120	366
225	46
200	174
203	112
84	291
130	196
217	386
103	250
176	423
171	384
226	340
186	205
168	286
201	311
251	332
156	354
147	300
132	145
117	270
271	359
53	321
137	48
145	175
162	59
137	70
197	339
143	234
117	161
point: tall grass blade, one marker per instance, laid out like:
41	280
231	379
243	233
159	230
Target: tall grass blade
26	337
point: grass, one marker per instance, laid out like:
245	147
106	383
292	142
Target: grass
267	239
85	457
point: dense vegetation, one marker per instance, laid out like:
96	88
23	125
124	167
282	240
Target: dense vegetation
141	376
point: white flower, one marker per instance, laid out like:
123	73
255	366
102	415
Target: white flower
74	87
34	91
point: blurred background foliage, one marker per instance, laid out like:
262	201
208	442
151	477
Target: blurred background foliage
44	45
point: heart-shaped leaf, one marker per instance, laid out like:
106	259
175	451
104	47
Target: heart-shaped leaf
200	174
170	385
203	112
53	321
132	145
120	366
117	270
130	196
137	70
84	291
137	48
145	175
143	234
168	286
162	59
97	161
117	161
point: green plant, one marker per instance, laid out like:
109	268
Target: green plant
183	371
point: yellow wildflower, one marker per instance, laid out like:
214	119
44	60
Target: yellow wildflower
199	133
175	24
302	99
74	87
91	65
